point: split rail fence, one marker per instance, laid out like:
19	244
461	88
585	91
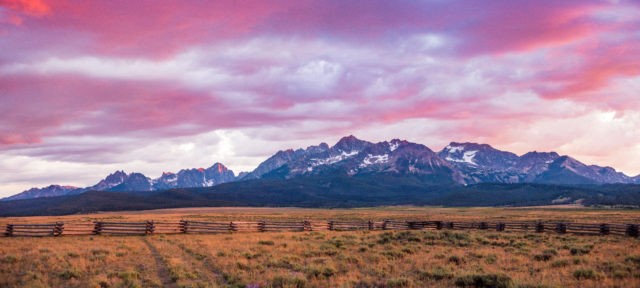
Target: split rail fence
202	227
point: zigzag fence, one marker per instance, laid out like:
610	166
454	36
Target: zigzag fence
203	227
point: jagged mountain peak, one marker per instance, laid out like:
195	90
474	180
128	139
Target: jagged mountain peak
322	147
394	144
118	175
350	143
218	167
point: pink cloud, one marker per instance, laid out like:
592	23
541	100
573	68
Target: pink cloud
29	7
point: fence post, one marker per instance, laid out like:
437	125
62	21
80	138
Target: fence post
183	226
97	228
384	224
484	226
307	225
151	228
9	232
539	227
232	227
561	228
370	225
330	225
439	225
500	226
632	230
604	229
449	225
262	226
58	229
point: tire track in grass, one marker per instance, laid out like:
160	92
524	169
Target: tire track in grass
203	258
163	270
176	249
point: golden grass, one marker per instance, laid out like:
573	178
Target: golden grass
326	258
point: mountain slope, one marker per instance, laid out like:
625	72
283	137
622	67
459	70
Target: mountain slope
481	163
566	170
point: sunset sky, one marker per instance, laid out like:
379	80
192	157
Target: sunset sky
90	87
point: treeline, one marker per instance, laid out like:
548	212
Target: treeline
330	192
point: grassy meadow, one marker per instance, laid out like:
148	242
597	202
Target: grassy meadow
420	258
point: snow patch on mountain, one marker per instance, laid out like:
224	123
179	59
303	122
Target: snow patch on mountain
334	159
374	159
393	146
467	157
453	149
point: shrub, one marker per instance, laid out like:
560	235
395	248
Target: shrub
437	274
407	250
392	254
580	250
242	266
546	255
9	259
232	280
407	236
398	282
97	252
266	242
484	281
585	274
560	263
491	259
73	255
633	259
314	272
282	282
69	274
456	260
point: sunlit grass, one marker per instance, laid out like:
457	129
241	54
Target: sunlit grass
441	258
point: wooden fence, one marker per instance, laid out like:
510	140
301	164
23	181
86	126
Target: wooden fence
202	227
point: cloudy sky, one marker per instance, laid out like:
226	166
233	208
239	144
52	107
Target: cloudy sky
88	87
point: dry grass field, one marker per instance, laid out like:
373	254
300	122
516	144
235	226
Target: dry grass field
416	258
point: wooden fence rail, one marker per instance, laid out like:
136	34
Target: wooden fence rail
204	227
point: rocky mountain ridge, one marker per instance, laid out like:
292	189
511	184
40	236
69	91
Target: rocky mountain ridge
456	164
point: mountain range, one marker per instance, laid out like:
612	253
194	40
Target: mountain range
120	181
458	164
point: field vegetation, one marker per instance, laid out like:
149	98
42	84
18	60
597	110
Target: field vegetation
416	258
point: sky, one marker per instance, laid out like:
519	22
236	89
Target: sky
90	87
